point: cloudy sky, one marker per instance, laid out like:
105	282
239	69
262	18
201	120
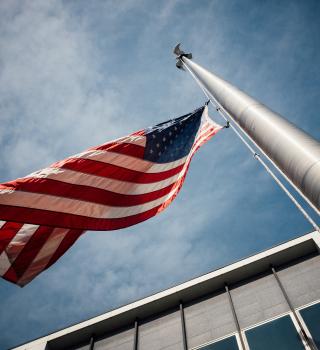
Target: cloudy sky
74	74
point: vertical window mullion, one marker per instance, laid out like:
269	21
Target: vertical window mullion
183	326
136	335
91	345
235	318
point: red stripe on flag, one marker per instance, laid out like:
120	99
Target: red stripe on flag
85	193
67	242
29	252
128	149
7	232
42	217
93	167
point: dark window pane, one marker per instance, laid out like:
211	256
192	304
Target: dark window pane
225	344
279	334
311	316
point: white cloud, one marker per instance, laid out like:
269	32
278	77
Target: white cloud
51	95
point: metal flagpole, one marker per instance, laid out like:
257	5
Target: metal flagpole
224	114
292	151
257	156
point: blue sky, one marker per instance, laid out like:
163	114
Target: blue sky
74	74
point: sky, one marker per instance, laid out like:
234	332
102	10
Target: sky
74	74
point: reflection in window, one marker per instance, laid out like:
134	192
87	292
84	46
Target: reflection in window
225	344
311	316
279	334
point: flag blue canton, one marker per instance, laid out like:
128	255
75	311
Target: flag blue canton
172	140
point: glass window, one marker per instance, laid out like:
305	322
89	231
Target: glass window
279	334
311	316
225	344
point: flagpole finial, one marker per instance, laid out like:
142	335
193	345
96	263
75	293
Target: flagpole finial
179	53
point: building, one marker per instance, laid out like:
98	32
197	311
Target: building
268	301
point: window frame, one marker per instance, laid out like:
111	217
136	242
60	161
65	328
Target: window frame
236	334
295	323
302	320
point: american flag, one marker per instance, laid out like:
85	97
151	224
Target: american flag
112	186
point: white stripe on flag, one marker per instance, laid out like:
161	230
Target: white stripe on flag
139	140
14	248
44	255
123	161
75	206
18	242
4	263
113	185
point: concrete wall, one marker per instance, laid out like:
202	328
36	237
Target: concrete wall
209	318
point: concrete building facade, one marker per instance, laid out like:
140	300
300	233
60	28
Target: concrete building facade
267	301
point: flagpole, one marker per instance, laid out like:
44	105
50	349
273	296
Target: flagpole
257	157
292	151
